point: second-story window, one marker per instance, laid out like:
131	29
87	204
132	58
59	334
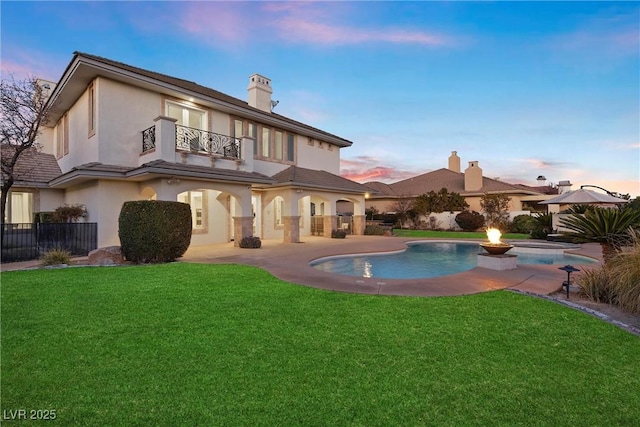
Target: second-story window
92	110
187	116
62	137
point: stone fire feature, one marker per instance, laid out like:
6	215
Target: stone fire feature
496	257
498	262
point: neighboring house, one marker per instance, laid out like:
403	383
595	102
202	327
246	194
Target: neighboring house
122	133
471	184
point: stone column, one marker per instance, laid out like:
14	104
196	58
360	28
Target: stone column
242	227
330	223
358	224
291	229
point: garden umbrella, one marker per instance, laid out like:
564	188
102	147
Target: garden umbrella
583	197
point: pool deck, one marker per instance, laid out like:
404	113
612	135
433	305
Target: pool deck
290	262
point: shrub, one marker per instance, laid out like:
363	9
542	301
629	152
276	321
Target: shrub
338	234
69	213
470	220
522	224
543	225
617	281
251	242
594	284
374	230
154	230
56	257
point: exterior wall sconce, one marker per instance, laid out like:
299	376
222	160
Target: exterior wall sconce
173	180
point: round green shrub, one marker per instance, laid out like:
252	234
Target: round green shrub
522	224
251	242
470	220
154	230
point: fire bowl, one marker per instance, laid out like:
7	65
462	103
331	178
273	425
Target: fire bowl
496	249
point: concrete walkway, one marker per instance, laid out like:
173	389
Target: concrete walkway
290	262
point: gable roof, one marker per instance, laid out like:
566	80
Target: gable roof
443	178
85	67
33	168
310	178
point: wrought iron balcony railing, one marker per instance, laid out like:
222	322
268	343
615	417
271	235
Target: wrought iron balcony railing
149	139
190	139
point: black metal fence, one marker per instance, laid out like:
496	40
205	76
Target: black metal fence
23	242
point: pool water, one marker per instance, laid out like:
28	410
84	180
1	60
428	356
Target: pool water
424	260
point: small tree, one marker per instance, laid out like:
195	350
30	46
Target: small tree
402	208
609	227
370	212
441	201
23	109
496	209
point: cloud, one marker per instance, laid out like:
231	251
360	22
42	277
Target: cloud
217	22
293	23
603	37
369	168
25	63
307	23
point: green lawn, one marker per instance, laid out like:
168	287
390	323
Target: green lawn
453	234
188	344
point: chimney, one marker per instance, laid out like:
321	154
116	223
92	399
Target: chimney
260	92
473	177
454	162
564	187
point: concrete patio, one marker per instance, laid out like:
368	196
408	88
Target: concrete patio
290	262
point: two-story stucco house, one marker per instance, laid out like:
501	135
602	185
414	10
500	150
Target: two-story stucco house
123	133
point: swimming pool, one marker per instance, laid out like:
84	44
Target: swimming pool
433	259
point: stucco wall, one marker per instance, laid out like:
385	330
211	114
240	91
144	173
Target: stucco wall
320	156
94	195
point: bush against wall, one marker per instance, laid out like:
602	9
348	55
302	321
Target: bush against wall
69	213
470	220
524	224
251	242
154	230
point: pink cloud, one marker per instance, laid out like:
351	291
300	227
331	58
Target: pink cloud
292	22
216	21
24	64
367	168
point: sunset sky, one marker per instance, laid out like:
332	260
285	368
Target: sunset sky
524	88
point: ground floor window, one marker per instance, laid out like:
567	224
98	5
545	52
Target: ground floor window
195	199
20	207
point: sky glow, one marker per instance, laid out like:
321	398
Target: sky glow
524	88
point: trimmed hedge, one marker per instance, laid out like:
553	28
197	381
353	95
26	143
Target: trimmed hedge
338	234
470	220
251	242
154	230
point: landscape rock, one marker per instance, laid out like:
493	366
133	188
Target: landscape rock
110	255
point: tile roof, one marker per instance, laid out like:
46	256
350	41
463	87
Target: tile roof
442	178
303	177
33	167
97	170
203	90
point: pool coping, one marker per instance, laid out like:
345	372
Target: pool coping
290	262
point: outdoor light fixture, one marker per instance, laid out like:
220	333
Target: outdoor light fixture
569	269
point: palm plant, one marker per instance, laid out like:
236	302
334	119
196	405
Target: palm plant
609	227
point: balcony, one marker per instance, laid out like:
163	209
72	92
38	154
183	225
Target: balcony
196	141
